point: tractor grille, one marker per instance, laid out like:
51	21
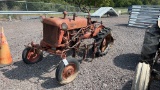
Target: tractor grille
50	34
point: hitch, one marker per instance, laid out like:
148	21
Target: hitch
94	50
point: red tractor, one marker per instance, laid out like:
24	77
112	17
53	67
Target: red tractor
67	33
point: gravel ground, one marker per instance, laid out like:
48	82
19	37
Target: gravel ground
113	71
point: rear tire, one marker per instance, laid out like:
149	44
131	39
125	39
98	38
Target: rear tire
66	74
151	43
142	77
104	40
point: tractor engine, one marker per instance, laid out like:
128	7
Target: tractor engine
57	31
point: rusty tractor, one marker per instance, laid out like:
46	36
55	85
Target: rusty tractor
67	33
147	69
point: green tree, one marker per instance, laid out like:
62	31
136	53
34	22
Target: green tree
100	3
155	2
112	3
123	3
137	2
146	2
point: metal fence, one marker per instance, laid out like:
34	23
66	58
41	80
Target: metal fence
22	9
13	9
143	16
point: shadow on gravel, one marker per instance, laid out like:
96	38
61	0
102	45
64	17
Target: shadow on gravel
38	73
155	85
127	85
50	83
34	73
127	61
125	25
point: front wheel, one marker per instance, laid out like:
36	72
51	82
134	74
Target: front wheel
66	74
142	77
31	55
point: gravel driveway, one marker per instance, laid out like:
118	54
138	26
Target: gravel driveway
113	71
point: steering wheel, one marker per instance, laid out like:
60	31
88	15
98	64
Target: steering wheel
84	8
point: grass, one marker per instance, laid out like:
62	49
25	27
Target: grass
123	10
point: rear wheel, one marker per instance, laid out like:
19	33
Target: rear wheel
104	40
31	55
66	74
142	77
151	43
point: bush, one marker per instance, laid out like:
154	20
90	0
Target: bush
32	6
4	7
57	6
61	9
47	7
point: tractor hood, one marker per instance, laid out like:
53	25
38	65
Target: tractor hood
71	23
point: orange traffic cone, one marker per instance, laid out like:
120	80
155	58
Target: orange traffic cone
5	55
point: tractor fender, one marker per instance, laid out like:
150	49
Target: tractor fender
97	30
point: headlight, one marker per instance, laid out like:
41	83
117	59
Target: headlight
64	26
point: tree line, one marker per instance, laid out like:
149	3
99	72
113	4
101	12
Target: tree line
101	3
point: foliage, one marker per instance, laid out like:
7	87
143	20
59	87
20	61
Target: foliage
115	3
3	7
61	5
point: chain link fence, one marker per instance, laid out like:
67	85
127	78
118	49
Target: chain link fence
35	6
